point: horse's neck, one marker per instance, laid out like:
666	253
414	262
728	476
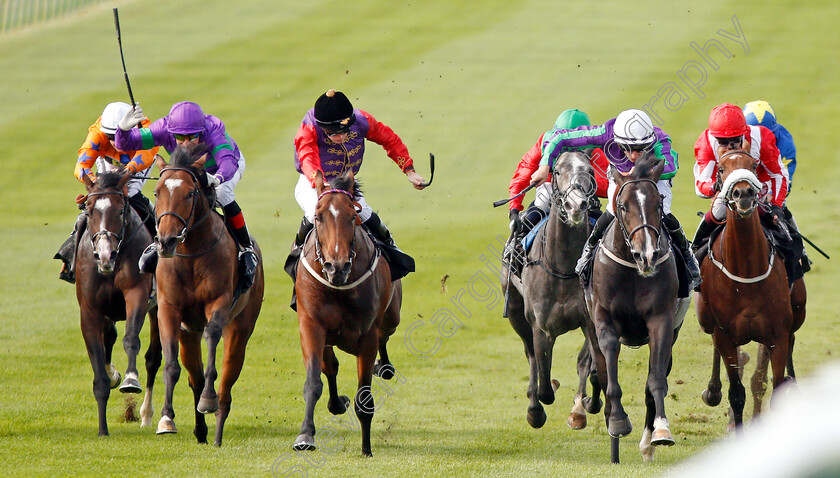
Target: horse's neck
743	247
614	241
563	242
365	250
202	234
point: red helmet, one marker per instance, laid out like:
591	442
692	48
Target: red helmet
727	121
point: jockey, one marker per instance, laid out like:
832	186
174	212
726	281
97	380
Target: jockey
761	113
728	131
623	139
99	150
521	224
331	141
187	123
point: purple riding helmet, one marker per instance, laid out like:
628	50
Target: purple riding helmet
185	117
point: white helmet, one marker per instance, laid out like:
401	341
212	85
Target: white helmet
633	127
111	116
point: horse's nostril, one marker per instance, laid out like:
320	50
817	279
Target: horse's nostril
637	256
346	269
329	268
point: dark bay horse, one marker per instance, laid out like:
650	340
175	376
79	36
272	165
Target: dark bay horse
196	280
745	295
345	298
633	300
109	286
549	301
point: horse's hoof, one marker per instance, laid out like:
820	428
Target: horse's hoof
662	436
592	405
711	399
340	406
131	385
207	405
536	416
367	453
304	442
620	428
383	371
114	376
576	421
166	425
555	384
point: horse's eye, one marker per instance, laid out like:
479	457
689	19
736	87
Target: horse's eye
191	194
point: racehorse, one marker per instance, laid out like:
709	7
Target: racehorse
745	295
548	301
345	298
197	277
632	300
109	286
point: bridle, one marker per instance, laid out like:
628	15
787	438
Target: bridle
318	256
620	219
104	232
739	175
190	223
581	181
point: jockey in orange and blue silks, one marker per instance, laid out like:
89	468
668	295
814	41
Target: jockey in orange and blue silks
760	113
622	139
187	123
99	151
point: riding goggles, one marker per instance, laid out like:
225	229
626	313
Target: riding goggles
337	127
732	142
186	137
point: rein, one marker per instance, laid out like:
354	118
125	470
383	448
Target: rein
119	237
629	235
744	280
192	223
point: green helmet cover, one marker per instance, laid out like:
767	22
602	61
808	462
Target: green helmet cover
571	119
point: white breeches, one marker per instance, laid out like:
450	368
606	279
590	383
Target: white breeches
307	198
663	185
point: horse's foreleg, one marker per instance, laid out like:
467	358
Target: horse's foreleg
737	394
336	404
659	365
153	360
779	355
758	384
110	336
364	403
618	423
383	367
577	417
92	327
191	358
136	303
712	395
312	338
543	351
209	401
236	340
169	330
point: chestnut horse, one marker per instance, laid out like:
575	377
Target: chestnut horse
548	301
197	278
633	300
345	299
109	286
745	296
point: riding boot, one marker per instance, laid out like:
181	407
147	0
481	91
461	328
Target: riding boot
804	261
675	231
701	237
67	252
148	259
292	260
247	257
145	210
533	215
582	267
379	230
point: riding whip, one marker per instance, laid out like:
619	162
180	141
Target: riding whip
432	165
505	201
119	41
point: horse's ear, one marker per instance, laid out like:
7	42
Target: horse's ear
351	179
87	182
126	175
657	170
160	162
199	163
618	176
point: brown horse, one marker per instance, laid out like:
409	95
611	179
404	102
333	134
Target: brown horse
196	280
745	296
109	286
549	301
345	299
633	300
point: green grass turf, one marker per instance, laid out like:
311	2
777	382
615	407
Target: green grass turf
473	82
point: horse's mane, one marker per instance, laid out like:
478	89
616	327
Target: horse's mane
108	179
344	183
645	164
185	156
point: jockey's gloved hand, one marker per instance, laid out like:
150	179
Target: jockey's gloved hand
132	118
515	221
213	180
777	214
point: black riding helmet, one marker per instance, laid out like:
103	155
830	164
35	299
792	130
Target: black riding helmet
334	112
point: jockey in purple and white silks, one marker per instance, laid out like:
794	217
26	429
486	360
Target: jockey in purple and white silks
187	123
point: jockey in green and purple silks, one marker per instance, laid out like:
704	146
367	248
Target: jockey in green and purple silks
622	139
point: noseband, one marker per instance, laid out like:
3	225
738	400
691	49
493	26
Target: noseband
105	232
620	219
737	176
581	181
318	256
189	223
